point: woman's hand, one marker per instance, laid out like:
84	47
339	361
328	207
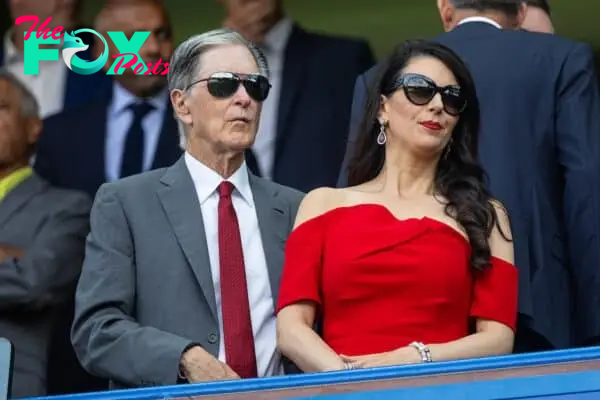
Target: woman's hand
403	355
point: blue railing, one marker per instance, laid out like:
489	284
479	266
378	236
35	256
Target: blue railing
559	373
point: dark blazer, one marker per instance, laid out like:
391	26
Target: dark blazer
139	225
312	126
50	225
71	150
80	88
540	146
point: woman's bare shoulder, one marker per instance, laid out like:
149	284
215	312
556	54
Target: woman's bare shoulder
320	201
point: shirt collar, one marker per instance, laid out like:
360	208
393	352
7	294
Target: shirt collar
278	35
13	180
206	180
11	53
122	98
480	19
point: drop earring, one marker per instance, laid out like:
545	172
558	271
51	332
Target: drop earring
382	137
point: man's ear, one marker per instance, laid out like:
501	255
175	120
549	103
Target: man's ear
447	11
180	106
33	126
521	14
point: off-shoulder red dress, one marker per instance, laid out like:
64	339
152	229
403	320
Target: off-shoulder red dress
382	283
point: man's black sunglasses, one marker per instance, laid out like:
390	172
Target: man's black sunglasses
224	84
420	90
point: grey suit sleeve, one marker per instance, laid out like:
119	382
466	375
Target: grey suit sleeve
105	335
359	100
51	265
578	146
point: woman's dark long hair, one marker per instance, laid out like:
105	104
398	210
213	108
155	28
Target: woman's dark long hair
459	177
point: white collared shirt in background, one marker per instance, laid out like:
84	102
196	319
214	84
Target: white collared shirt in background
274	49
118	122
480	19
48	86
260	296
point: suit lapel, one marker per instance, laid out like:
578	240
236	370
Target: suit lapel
294	69
273	221
180	202
167	150
19	196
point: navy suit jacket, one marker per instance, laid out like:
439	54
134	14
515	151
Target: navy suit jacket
71	149
80	88
540	147
312	126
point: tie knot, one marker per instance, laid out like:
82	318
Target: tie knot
225	189
140	110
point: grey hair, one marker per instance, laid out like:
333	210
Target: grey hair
29	104
185	62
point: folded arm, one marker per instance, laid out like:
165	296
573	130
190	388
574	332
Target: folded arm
40	275
107	339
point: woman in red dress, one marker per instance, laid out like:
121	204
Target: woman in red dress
414	261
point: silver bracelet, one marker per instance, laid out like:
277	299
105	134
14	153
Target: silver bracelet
423	351
349	366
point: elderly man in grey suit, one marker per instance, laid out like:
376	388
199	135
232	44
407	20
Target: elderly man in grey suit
183	264
42	241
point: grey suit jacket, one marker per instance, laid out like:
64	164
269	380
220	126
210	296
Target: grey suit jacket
146	291
50	225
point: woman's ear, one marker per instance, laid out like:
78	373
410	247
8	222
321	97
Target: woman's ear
178	100
383	114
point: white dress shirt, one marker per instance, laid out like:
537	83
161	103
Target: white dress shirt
118	122
48	86
260	297
274	49
480	19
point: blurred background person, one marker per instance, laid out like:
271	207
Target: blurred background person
540	115
42	237
307	113
55	87
538	17
413	262
131	128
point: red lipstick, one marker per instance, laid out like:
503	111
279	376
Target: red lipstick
432	125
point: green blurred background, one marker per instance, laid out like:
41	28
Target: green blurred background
383	22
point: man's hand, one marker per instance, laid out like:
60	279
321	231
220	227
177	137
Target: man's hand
7	252
197	365
252	19
403	355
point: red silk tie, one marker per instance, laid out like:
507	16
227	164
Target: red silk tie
237	323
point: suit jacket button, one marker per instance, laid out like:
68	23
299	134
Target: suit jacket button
212	338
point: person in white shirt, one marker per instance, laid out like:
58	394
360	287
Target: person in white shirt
183	264
307	112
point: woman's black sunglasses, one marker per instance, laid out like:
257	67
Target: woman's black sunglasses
224	84
420	90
